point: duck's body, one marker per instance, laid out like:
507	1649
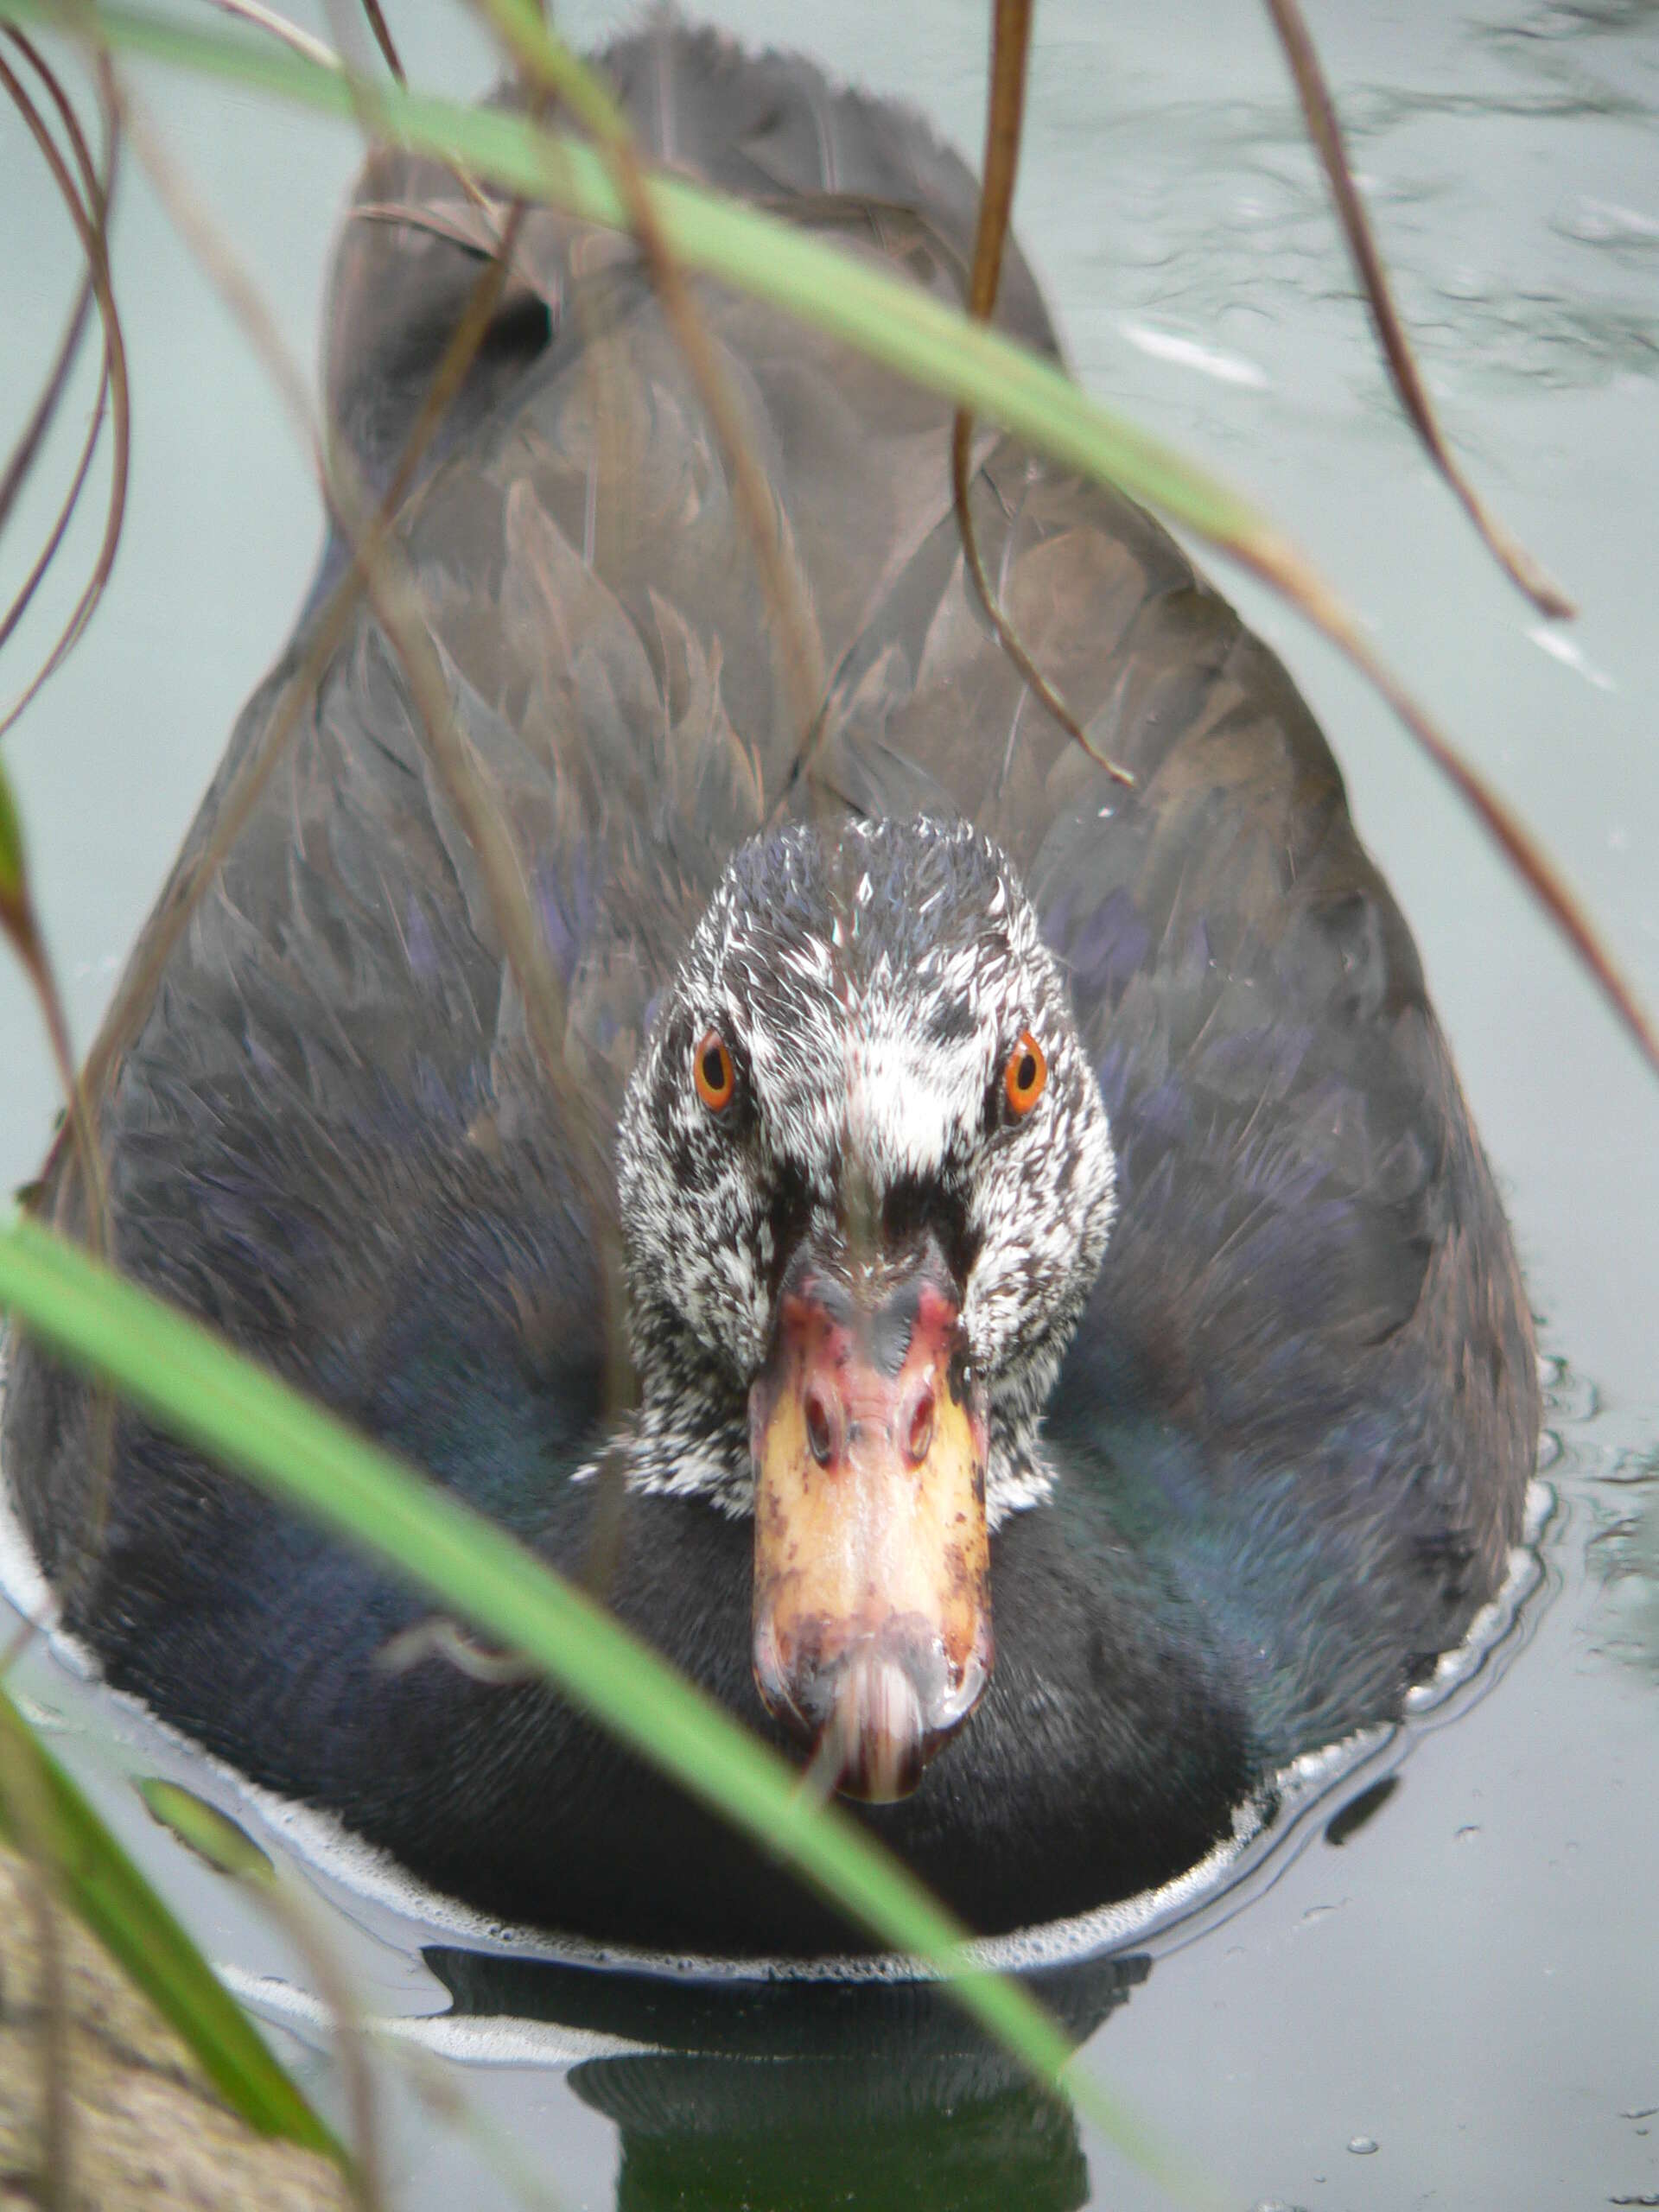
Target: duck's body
1286	1455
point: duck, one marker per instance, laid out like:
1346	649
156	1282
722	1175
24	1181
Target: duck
1074	1359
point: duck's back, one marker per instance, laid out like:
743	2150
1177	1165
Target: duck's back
1300	1414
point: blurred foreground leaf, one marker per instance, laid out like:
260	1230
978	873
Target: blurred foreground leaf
890	322
196	1387
201	1828
44	1814
763	254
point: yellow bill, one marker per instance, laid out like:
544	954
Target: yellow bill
872	1561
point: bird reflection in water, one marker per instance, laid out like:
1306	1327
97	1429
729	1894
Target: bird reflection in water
790	2097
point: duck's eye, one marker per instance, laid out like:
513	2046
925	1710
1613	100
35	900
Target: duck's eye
1025	1074
713	1072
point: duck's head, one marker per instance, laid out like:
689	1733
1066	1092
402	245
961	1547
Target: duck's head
865	1180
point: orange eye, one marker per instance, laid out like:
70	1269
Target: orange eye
1025	1074
713	1072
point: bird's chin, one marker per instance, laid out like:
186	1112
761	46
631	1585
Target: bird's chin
872	1624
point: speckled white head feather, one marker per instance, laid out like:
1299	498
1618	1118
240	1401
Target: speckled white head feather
870	981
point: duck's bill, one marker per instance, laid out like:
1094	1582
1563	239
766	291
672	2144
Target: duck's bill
872	1591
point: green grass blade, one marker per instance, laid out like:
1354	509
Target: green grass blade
105	1888
13	874
755	252
194	1385
891	321
201	1828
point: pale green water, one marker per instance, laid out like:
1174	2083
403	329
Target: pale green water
1468	1980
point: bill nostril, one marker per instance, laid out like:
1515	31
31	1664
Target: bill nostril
916	1432
824	1424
